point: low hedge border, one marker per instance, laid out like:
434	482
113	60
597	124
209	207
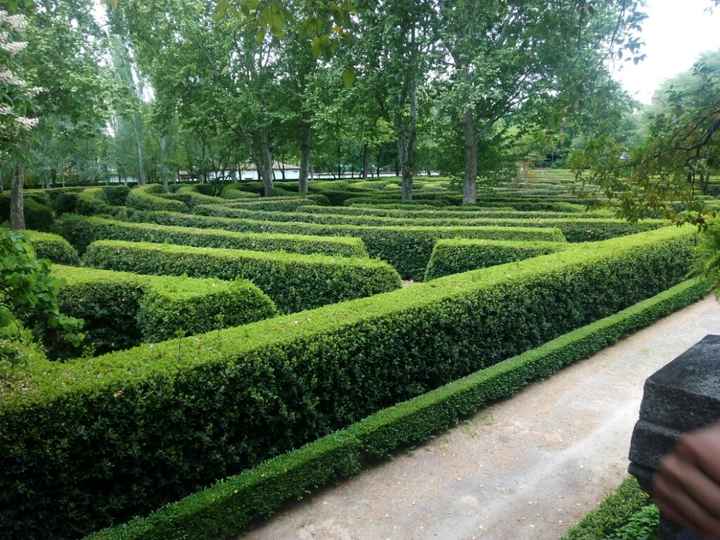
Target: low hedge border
454	256
611	519
576	229
407	248
121	434
52	246
231	505
81	232
148	198
295	282
121	309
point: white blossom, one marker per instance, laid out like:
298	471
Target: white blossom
8	77
5	110
14	47
26	123
17	22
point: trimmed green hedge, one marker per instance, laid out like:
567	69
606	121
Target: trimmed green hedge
429	213
614	514
577	229
460	255
122	309
407	248
147	198
92	201
191	196
294	282
231	505
83	231
124	433
51	246
279	204
233	191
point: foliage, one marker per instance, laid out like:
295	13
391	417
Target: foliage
83	231
52	247
120	309
28	295
295	282
669	169
616	517
148	198
213	405
406	247
456	256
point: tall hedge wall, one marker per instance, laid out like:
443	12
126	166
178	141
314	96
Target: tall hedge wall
83	231
124	433
121	309
460	255
575	229
294	282
407	248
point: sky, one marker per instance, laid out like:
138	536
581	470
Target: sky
675	33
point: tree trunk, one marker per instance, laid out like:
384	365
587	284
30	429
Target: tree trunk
265	164
163	168
407	144
471	157
2	184
305	150
365	161
17	202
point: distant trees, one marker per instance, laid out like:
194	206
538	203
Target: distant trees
208	85
669	161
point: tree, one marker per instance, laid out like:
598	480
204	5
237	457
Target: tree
508	63
668	170
16	107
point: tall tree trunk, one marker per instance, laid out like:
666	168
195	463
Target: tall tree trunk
305	150
365	161
407	143
265	163
140	152
163	168
471	157
17	200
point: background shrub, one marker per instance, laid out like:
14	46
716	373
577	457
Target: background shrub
459	255
52	247
121	309
82	231
294	282
148	198
407	248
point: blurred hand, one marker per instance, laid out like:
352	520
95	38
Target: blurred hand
687	485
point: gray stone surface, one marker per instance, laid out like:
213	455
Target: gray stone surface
526	468
681	397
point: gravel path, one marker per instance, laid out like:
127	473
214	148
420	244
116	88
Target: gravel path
527	468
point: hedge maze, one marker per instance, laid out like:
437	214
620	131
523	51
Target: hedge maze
241	351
